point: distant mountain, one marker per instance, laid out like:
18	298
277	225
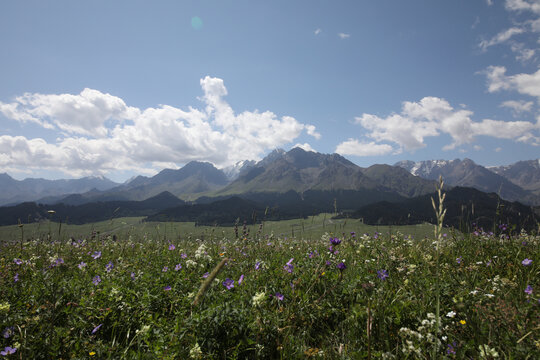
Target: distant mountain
88	212
232	172
192	179
399	180
465	207
469	174
17	191
525	174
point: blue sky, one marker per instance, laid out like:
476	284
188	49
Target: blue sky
118	88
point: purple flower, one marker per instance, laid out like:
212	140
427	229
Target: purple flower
17	261
172	247
526	262
183	255
8	331
459	260
8	350
96	280
241	279
341	266
16	277
382	274
335	241
165	269
257	265
228	283
109	266
289	267
167	288
328	263
132	276
96	329
81	265
279	296
451	349
529	290
177	267
205	275
59	261
96	255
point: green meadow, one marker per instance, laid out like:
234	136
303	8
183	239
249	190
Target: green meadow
306	288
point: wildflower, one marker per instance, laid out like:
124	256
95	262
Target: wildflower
335	241
183	255
451	349
4	307
289	267
382	274
529	290
526	262
165	269
8	350
81	265
451	314
17	261
96	255
16	277
132	276
96	329
258	298
195	352
462	322
177	267
257	265
241	279
228	283
96	280
58	262
92	353
8	331
109	266
167	288
279	296
172	247
341	266
205	275
459	260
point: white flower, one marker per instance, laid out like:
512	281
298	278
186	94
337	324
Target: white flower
195	351
258	298
451	314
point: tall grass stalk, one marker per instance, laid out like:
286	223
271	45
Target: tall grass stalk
206	284
440	212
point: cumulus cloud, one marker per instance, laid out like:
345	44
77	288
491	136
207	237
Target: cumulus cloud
357	148
100	133
344	36
523	5
430	117
526	84
518	106
501	37
305	147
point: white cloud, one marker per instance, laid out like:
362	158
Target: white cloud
501	37
304	146
526	84
317	32
98	139
432	116
498	149
356	148
518	106
344	36
82	114
522	54
523	5
489	2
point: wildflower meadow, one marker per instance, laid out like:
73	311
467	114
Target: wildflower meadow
346	295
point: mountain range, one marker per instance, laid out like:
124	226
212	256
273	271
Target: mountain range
289	184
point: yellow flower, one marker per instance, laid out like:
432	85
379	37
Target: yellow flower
92	353
462	322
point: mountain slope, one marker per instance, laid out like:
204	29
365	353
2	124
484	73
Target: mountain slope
468	174
525	174
17	191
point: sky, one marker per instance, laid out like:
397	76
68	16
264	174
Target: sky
128	87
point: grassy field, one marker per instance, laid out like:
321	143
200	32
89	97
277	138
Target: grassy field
312	288
312	227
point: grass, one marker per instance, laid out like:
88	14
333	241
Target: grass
370	296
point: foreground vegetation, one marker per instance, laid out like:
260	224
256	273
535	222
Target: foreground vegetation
329	291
